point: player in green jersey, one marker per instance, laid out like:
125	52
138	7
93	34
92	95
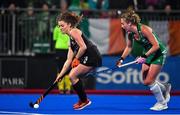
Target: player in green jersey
152	58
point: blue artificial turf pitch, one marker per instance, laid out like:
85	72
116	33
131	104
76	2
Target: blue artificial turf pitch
101	104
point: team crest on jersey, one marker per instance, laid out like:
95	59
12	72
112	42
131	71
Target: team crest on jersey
85	59
73	43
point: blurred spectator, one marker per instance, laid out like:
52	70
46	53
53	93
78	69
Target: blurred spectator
84	5
102	4
44	22
18	3
42	45
63	5
167	8
12	8
10	17
151	4
29	31
78	6
172	5
99	4
75	6
11	30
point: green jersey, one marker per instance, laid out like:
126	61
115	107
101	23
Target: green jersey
157	57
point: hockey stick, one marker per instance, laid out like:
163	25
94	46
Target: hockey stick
117	67
39	100
126	64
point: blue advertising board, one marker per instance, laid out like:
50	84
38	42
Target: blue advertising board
129	77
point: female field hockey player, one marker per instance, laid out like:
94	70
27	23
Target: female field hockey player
83	56
152	60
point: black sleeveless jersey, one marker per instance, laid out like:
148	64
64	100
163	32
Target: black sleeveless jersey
75	47
91	57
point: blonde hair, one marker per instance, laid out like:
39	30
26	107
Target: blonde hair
130	16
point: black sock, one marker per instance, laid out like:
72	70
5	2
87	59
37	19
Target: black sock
78	87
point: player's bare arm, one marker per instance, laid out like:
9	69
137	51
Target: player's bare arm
66	64
76	34
127	49
147	32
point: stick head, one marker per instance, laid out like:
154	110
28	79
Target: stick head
34	105
31	104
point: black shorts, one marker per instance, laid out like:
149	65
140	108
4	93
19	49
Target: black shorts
91	57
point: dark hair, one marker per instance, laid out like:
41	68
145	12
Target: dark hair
130	16
69	17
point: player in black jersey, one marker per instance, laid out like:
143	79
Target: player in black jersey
83	56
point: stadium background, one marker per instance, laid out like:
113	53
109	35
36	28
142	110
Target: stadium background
27	57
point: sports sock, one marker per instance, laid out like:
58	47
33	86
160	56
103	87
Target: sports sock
161	86
78	87
156	90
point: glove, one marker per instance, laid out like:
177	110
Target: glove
75	63
141	59
120	61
